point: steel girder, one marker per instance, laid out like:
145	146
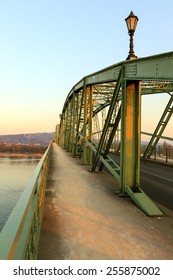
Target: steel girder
122	83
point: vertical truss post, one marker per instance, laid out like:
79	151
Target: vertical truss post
70	125
75	105
73	122
56	133
130	135
84	123
90	121
62	131
87	123
130	148
65	128
78	116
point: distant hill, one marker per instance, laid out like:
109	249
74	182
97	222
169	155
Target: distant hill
30	138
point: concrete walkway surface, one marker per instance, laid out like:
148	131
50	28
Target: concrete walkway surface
84	218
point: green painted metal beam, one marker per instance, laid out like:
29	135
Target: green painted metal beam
153	68
130	147
144	202
161	137
110	140
79	120
107	122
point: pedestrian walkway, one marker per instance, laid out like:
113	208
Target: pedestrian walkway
84	218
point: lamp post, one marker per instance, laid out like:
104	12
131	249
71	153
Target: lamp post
131	22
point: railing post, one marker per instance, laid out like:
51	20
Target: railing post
166	154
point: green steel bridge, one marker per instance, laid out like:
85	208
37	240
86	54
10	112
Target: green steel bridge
102	113
118	87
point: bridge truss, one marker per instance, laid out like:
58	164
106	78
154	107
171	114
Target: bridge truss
102	113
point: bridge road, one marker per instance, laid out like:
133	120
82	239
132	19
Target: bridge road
84	219
156	180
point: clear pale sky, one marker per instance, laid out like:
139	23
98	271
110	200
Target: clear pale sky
46	46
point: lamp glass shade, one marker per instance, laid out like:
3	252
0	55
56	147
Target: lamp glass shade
131	22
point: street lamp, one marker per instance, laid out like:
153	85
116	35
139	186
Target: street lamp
131	22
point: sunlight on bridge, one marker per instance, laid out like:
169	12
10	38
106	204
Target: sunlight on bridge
103	113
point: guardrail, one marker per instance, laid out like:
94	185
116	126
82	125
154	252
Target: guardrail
161	153
19	238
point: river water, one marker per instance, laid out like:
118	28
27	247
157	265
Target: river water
14	174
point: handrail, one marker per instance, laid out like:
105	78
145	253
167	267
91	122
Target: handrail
19	238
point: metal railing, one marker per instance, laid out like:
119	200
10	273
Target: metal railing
19	238
161	153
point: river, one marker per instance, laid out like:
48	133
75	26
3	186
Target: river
14	174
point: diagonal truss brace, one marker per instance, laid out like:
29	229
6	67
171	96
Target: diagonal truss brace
108	146
107	122
159	129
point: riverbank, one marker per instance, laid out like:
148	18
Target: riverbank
21	155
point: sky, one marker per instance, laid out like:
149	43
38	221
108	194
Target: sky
47	46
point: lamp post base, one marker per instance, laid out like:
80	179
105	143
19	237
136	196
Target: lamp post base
131	57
